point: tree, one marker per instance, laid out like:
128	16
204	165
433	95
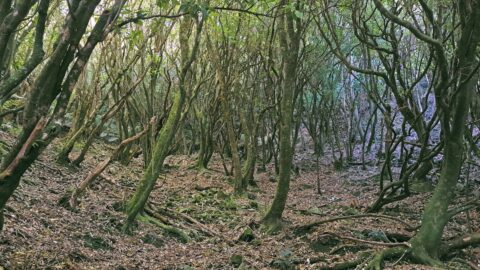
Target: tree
168	131
289	33
38	129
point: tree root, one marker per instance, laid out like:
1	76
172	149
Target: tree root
401	244
271	226
308	227
180	234
377	262
461	242
197	225
337	266
420	255
467	263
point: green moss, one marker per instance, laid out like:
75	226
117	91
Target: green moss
247	235
236	260
12	104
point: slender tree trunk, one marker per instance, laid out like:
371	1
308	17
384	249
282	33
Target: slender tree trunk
168	131
289	43
240	186
73	201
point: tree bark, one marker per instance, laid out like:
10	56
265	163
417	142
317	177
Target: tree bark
11	22
426	244
168	131
8	85
289	44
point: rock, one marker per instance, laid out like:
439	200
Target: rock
236	260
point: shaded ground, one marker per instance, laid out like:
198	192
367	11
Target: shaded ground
40	234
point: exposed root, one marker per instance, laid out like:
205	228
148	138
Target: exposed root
402	244
377	262
308	227
420	255
337	266
193	223
271	226
180	234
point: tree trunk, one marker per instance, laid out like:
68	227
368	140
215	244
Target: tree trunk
44	91
426	244
10	24
240	186
289	44
168	131
7	86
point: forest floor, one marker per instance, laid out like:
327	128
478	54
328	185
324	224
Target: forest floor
41	234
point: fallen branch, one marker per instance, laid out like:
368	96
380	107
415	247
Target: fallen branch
104	164
401	244
308	227
200	226
463	242
339	248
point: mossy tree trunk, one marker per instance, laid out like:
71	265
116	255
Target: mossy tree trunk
426	244
240	185
453	104
289	36
168	131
